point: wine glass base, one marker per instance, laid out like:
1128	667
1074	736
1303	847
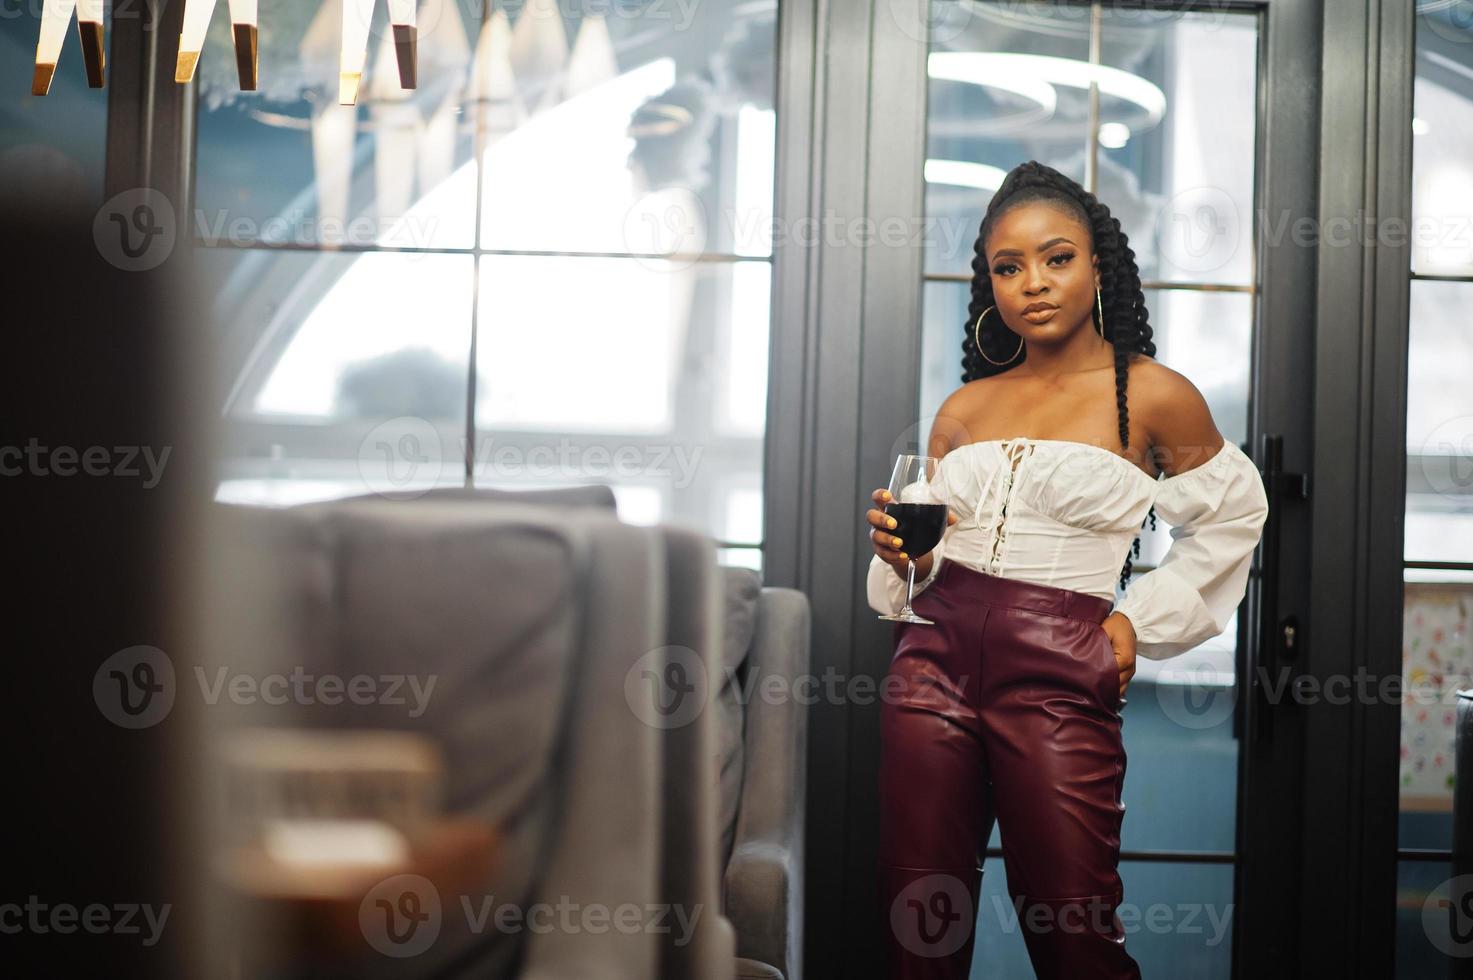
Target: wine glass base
902	617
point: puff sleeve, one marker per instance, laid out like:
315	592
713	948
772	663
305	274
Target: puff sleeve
1216	511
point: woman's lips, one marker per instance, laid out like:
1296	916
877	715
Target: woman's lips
1041	316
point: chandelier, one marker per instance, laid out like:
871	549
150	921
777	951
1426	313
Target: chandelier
56	15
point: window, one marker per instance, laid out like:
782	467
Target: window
1437	645
54	145
548	264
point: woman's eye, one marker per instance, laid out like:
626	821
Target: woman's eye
1005	268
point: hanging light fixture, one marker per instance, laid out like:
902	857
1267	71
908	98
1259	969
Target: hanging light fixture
357	14
244	28
55	16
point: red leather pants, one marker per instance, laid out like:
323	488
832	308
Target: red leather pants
1006	710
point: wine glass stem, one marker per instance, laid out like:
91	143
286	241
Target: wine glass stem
910	582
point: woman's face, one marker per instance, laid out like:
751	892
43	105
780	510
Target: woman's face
1044	272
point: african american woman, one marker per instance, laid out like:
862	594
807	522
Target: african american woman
1065	436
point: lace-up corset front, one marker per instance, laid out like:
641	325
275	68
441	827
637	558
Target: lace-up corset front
1065	513
1043	510
1015	452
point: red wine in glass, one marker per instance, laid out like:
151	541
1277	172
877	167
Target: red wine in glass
920	518
920	526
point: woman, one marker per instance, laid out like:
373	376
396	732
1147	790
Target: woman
1065	435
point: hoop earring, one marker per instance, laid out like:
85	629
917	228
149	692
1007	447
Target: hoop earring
1100	302
977	334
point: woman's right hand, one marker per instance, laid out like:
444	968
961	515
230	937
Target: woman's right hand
890	548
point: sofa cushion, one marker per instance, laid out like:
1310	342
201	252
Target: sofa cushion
752	970
742	588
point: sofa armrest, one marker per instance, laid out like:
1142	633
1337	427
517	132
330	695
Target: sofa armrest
764	903
764	877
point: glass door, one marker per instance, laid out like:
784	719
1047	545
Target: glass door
1437	617
1166	116
1156	113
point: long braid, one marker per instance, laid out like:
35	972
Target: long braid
1126	327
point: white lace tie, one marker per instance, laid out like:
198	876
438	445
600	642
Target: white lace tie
1000	483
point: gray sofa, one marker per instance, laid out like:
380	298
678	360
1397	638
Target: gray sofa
538	618
764	751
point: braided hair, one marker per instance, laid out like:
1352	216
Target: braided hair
1126	326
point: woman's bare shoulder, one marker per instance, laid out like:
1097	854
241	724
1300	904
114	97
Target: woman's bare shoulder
952	425
1175	414
1157	389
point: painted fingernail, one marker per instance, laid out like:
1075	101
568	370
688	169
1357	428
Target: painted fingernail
891	522
896	543
904	556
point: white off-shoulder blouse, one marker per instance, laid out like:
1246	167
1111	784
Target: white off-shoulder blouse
1064	514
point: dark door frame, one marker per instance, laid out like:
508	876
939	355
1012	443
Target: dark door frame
1351	789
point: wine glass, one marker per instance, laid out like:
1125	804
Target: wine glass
920	518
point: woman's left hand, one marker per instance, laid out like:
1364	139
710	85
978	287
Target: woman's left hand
1118	628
